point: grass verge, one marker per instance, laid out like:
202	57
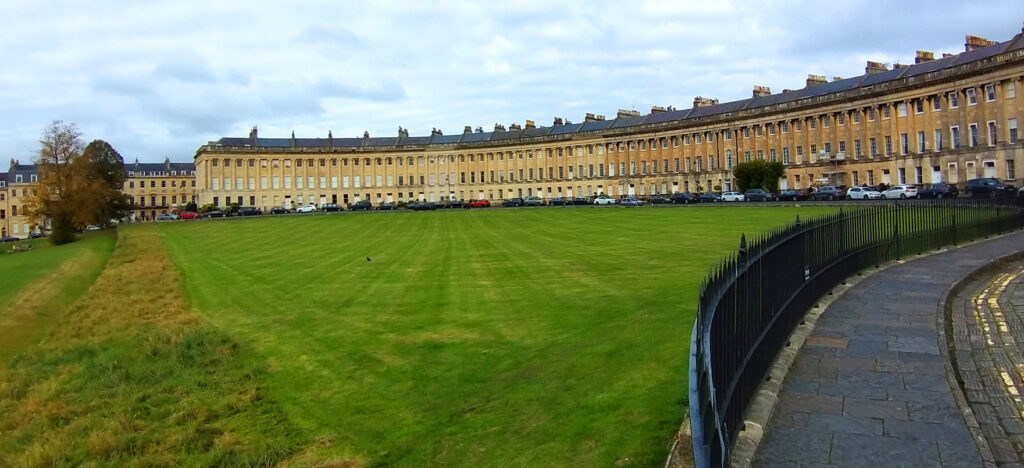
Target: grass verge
40	284
133	378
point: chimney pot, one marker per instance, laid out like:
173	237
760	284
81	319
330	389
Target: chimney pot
530	124
814	80
762	91
924	56
875	67
467	129
975	42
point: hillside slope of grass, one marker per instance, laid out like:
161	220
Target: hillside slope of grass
133	378
536	337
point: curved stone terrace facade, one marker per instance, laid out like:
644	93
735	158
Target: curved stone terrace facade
948	119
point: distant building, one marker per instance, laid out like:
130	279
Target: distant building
154	188
951	119
158	188
17	185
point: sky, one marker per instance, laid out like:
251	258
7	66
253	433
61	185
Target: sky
159	80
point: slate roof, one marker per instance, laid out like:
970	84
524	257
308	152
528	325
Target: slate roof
837	86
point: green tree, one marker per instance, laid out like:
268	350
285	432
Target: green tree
758	174
100	198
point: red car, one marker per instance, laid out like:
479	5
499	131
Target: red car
188	215
478	204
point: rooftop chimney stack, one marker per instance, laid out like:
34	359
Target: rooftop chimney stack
875	67
623	113
975	42
899	65
762	91
467	129
815	80
530	124
924	56
515	126
499	127
557	122
657	109
700	101
590	117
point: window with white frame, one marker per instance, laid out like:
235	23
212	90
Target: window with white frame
1011	134
972	96
1011	172
973	134
954	99
936	104
954	136
785	156
841	118
855	116
937	142
918	106
920	142
990	92
992	136
901	109
1010	90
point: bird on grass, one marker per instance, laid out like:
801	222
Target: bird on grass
368	259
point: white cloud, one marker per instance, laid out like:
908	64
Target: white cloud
159	80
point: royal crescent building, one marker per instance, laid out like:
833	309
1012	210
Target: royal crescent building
950	119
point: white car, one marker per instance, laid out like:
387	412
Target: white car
310	208
605	200
862	193
900	191
732	196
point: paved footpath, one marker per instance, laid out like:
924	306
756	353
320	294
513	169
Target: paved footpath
988	329
869	387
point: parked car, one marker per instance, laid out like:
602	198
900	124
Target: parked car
862	193
455	204
605	200
278	210
361	205
938	190
827	192
422	206
7	239
732	196
900	191
756	194
513	202
92	227
581	201
249	211
630	201
658	199
37	235
331	207
533	201
684	198
709	197
310	208
213	214
482	203
188	215
792	195
988	187
167	217
386	206
558	201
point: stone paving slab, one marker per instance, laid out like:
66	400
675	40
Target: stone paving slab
869	387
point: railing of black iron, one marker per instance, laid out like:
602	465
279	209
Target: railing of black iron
751	302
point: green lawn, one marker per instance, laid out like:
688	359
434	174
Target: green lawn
529	337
